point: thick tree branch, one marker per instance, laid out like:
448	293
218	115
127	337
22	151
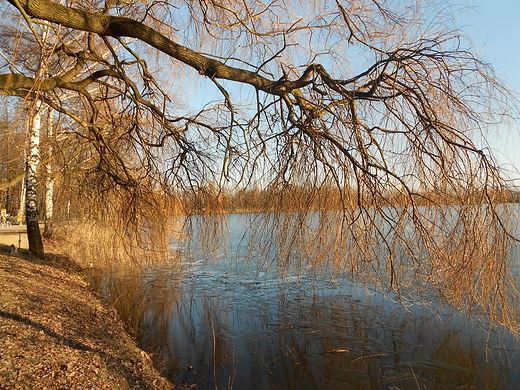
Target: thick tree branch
115	26
12	180
15	84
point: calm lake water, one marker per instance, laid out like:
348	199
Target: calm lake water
237	323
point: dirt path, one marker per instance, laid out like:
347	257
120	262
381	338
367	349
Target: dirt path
56	334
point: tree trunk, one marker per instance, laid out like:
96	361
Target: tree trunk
49	181
22	199
31	205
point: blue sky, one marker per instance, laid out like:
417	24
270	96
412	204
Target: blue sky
494	28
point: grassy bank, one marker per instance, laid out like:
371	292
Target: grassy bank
55	333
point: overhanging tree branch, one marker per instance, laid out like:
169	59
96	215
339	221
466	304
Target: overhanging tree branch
391	137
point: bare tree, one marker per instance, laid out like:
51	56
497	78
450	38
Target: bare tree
12	145
379	100
33	160
50	180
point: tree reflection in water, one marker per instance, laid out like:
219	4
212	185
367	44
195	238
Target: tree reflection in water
242	321
218	325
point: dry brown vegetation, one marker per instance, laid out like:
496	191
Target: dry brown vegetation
57	334
307	197
378	141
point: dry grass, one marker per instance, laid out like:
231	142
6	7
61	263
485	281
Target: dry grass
57	334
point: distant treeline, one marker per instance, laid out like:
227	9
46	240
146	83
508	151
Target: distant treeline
299	198
210	200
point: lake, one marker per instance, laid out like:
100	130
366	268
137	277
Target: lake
234	320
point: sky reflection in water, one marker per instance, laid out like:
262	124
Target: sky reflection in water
230	324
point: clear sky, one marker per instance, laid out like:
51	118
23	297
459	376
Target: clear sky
494	28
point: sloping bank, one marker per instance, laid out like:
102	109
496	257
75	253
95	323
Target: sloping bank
55	332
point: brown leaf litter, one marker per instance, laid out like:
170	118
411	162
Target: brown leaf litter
56	334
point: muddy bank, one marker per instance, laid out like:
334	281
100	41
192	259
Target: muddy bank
56	333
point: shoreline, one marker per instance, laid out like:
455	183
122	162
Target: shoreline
57	333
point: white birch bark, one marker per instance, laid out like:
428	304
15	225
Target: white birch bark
31	202
49	181
34	236
22	200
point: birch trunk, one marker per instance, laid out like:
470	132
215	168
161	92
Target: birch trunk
49	182
31	204
22	200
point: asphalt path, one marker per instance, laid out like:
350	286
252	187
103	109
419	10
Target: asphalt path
13	229
14	235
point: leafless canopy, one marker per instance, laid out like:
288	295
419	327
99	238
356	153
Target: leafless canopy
370	107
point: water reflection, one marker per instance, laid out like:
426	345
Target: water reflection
212	329
232	324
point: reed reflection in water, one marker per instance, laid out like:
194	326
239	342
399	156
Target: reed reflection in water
231	324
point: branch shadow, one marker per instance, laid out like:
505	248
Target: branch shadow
113	363
65	340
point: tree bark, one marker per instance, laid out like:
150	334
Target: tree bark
117	26
22	197
49	180
31	204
